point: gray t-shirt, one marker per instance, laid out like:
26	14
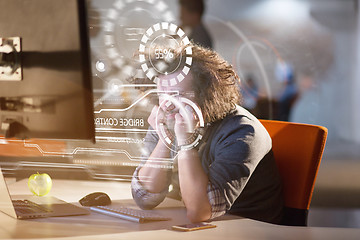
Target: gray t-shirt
237	157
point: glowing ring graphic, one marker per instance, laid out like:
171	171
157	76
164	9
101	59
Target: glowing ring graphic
166	134
115	18
152	33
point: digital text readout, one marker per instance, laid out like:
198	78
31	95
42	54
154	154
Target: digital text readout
119	122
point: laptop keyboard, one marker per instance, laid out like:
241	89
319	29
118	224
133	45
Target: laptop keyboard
28	207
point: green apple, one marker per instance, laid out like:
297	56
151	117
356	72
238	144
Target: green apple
40	184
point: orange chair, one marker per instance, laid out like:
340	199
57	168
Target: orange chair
298	149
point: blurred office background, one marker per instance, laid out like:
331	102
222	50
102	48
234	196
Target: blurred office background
313	44
298	60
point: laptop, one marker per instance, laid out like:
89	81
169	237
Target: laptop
28	206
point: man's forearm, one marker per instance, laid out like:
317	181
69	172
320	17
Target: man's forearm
154	175
193	185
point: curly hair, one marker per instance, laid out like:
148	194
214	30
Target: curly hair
214	85
215	82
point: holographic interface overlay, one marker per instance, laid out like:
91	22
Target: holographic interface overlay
123	26
166	128
120	140
160	53
254	58
116	28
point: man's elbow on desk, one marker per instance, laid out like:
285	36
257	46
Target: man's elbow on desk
200	214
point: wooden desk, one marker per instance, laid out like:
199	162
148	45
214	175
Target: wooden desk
97	226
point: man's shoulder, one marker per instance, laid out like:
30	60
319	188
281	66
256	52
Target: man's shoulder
241	122
240	117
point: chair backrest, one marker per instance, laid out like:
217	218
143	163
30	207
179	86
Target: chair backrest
298	150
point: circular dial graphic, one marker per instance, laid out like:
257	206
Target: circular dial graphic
162	40
167	133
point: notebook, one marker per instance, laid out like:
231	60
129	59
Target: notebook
25	207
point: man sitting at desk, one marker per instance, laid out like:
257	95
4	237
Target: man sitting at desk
231	169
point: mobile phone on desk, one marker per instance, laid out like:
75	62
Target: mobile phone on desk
192	226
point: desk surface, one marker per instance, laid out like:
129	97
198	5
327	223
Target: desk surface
97	226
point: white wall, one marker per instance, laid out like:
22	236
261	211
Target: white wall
335	102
